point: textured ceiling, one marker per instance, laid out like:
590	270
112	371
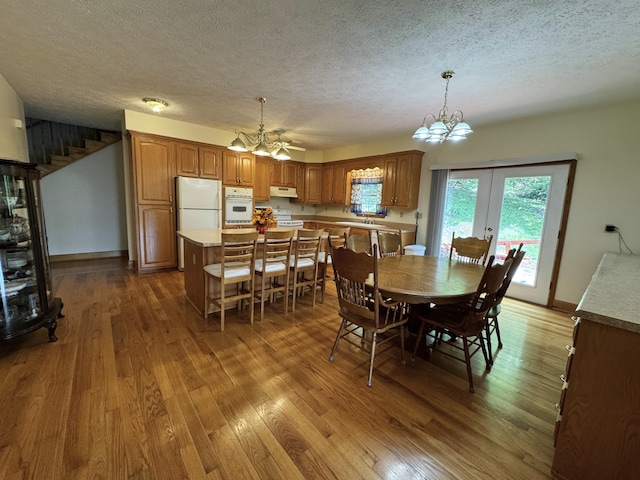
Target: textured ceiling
334	72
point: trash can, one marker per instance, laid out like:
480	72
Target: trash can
414	250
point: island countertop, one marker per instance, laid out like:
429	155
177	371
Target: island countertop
213	238
613	295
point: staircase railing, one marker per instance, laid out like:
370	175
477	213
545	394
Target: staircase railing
54	145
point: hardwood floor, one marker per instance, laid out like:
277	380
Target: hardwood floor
139	386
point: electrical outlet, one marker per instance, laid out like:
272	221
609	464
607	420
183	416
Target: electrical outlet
610	228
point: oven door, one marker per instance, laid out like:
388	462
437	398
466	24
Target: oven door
238	211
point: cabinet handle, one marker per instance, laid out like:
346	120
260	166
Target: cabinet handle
171	198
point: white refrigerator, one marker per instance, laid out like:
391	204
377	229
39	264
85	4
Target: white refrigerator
199	207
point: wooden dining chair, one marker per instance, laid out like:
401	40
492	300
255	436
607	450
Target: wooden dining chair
365	314
237	265
491	323
304	264
337	237
390	243
466	321
470	249
358	242
272	267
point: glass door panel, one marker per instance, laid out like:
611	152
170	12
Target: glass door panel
464	211
515	205
526	207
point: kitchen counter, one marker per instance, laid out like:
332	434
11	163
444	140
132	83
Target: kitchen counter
342	221
373	226
612	296
213	238
598	422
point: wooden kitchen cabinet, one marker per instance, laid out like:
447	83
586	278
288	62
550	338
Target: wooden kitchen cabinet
312	184
401	183
196	160
262	182
334	183
284	173
154	172
156	237
238	169
598	423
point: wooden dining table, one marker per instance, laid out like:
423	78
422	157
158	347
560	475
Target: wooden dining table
422	279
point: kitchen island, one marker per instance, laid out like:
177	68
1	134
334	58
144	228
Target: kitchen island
598	425
202	247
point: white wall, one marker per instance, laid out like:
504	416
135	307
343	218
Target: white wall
84	205
13	136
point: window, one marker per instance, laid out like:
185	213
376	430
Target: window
366	191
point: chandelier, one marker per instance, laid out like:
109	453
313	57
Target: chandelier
443	127
263	146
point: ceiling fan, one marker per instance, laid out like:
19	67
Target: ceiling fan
264	146
288	144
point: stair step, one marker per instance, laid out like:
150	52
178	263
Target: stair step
78	152
110	137
47	168
93	145
61	160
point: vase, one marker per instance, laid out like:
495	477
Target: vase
261	228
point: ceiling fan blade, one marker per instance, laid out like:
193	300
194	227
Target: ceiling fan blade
293	147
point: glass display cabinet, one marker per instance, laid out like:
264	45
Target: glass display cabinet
25	283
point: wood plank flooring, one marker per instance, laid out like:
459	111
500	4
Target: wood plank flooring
139	386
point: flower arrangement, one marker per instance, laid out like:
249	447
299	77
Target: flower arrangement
263	219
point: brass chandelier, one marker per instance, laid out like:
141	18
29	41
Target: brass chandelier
443	127
263	146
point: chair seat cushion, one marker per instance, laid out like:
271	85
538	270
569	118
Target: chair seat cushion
230	271
302	262
323	257
271	267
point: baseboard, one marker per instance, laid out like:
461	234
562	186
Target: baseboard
567	307
70	257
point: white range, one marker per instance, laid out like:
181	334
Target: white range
283	219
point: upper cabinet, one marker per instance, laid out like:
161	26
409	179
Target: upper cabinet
401	182
194	160
262	182
154	170
238	168
284	174
334	183
312	183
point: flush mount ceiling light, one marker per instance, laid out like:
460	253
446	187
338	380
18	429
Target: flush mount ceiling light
443	127
263	146
155	104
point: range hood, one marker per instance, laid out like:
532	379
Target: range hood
283	192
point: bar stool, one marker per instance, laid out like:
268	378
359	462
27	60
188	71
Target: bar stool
336	239
273	264
305	261
236	266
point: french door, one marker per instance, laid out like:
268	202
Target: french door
515	205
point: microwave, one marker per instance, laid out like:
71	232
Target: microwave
238	206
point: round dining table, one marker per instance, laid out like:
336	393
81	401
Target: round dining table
423	279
